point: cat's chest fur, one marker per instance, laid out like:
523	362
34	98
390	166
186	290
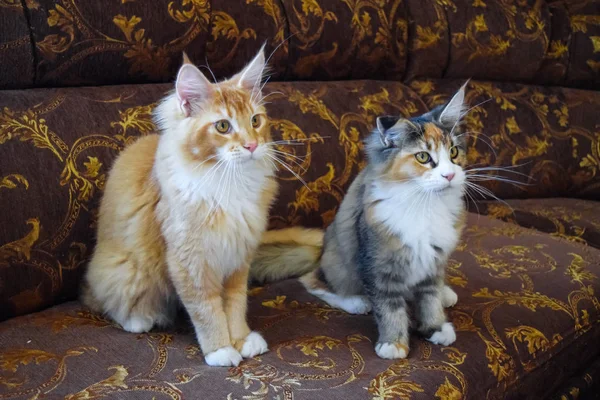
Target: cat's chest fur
426	226
215	225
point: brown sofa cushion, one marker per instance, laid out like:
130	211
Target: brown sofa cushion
526	320
15	46
90	43
571	219
57	145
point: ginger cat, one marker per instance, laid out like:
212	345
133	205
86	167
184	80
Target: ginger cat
183	213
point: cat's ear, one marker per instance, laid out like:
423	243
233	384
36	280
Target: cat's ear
454	110
384	124
191	86
251	76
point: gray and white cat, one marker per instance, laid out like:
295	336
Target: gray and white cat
391	238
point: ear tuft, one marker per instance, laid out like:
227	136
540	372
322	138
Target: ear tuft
186	59
251	76
454	110
191	87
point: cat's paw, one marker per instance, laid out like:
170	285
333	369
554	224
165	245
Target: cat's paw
449	297
445	336
391	350
254	345
137	324
224	357
355	305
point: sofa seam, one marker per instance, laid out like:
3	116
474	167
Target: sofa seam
405	75
449	55
27	15
516	385
573	336
287	30
571	39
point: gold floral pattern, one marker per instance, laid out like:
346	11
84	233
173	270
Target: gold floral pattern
508	327
569	219
527	284
500	269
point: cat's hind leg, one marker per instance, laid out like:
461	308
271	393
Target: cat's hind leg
136	298
355	304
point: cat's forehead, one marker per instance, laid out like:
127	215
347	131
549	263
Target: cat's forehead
434	136
235	101
428	135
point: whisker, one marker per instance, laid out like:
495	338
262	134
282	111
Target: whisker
295	162
492	169
301	158
466	191
199	165
289	169
487	193
496	178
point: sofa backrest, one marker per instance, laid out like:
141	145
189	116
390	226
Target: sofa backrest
77	42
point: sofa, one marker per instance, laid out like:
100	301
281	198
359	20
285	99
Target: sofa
79	80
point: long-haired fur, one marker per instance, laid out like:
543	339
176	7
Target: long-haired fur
183	212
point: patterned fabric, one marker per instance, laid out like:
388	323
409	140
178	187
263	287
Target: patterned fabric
570	219
77	42
528	313
528	307
57	145
549	134
15	46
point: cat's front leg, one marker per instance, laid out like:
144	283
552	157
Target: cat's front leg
429	312
235	297
392	321
200	293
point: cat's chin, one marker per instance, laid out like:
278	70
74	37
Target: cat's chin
448	190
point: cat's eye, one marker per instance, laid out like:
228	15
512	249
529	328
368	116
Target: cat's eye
222	126
423	157
453	152
255	121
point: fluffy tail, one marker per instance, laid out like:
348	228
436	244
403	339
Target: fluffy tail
286	253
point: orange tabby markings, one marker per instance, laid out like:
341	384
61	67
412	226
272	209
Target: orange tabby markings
183	213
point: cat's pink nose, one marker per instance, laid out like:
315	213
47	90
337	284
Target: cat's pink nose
251	146
449	176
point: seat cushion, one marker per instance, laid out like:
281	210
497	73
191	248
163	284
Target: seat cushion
527	310
572	219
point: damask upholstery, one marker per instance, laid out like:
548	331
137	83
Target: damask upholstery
526	271
526	311
572	219
71	41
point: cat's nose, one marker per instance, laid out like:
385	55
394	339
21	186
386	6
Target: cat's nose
251	146
449	176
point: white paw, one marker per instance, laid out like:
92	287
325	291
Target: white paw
355	305
254	345
224	357
391	350
446	336
449	297
136	324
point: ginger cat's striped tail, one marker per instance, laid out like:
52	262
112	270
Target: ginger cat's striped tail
287	253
